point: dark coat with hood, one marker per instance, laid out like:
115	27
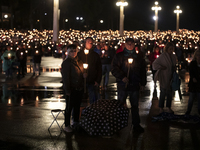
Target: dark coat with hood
194	71
72	74
94	66
137	74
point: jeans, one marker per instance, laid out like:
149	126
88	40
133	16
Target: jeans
191	100
36	67
9	72
73	102
163	94
93	93
134	100
105	72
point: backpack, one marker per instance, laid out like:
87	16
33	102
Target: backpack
176	82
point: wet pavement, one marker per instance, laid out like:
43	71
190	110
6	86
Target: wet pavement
25	115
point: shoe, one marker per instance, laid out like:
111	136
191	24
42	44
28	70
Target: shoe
138	129
170	111
68	129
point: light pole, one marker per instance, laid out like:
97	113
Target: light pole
156	8
121	3
56	15
177	11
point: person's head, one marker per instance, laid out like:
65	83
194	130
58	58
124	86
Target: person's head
98	46
106	47
197	56
169	48
156	49
8	47
88	43
130	45
72	51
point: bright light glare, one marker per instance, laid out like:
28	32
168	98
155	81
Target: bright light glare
155	18
122	3
5	16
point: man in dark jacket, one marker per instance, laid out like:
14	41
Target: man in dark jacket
107	55
94	71
21	58
130	84
37	56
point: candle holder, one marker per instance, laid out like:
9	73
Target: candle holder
130	61
86	51
85	66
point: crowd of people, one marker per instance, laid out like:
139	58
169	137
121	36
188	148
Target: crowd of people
89	56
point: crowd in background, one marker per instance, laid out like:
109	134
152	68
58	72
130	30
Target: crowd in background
165	52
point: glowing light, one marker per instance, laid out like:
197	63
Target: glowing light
86	51
122	3
85	66
130	60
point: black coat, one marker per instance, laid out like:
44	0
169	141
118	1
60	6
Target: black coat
137	74
94	66
21	55
37	56
72	74
194	71
107	57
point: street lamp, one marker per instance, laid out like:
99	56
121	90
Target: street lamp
55	20
156	8
177	11
121	3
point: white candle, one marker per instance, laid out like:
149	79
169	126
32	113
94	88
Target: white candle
85	66
130	60
86	51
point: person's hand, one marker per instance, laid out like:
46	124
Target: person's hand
125	80
84	75
96	84
194	80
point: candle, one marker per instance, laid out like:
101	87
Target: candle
86	51
103	51
85	66
130	60
21	53
9	55
36	52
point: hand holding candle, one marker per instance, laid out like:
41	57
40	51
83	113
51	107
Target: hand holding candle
85	66
9	55
130	61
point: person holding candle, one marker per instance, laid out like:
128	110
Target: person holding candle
165	66
152	57
94	69
73	78
129	69
194	83
21	58
37	57
8	58
107	55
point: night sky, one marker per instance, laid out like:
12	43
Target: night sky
138	14
139	11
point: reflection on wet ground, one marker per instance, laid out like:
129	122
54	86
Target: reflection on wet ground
27	102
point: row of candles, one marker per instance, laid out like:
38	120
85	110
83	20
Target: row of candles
9	54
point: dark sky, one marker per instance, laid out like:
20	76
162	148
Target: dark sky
139	12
